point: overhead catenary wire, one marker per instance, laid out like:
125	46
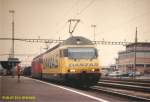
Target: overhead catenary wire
130	20
86	7
78	12
65	17
17	54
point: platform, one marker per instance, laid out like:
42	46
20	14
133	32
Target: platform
38	91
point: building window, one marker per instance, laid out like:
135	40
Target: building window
147	65
139	65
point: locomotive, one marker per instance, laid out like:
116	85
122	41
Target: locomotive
75	61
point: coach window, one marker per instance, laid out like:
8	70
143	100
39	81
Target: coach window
96	53
57	55
61	53
50	62
46	62
65	53
49	65
53	61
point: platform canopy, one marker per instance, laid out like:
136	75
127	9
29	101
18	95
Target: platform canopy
10	63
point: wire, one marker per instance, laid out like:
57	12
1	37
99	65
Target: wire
86	7
62	28
128	21
29	55
65	16
131	19
79	13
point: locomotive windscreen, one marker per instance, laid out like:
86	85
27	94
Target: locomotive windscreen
82	53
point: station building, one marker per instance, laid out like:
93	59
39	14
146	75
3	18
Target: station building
136	58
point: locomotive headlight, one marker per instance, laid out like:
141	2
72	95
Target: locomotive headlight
93	70
71	70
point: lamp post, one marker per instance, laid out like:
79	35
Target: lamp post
13	32
94	26
135	49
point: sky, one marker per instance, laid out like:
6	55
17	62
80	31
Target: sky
115	20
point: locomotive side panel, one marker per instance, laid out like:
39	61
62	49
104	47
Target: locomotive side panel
51	64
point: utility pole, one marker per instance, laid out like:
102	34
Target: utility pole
135	48
75	25
13	32
59	39
93	26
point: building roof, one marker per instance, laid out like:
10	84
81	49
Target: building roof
125	52
147	44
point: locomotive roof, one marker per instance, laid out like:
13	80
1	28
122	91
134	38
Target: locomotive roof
77	40
73	40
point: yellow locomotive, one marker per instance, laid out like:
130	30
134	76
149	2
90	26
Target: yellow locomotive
74	61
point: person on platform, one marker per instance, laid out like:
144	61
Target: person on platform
18	72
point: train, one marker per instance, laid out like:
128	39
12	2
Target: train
75	61
27	71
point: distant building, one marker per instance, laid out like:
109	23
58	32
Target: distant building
136	58
106	70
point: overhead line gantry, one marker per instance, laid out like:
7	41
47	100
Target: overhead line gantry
103	42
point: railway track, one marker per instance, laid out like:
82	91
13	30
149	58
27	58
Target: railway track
125	86
145	84
131	90
127	79
115	89
120	94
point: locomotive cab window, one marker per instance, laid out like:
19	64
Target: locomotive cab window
64	53
82	53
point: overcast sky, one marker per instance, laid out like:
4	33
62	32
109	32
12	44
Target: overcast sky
116	20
